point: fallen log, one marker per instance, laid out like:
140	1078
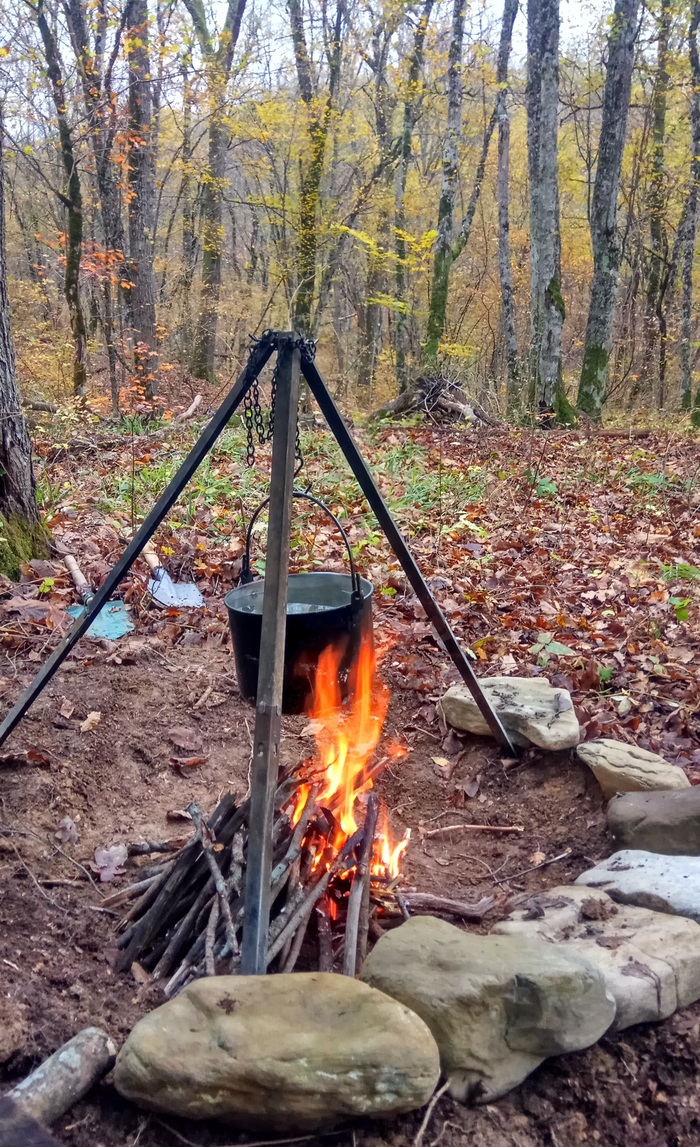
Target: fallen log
423	903
65	1077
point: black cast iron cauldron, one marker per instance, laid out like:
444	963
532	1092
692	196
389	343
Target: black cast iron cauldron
322	609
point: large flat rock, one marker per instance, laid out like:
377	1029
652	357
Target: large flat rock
622	768
496	1005
665	822
650	960
279	1053
663	883
532	711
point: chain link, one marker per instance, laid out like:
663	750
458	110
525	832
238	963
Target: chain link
252	410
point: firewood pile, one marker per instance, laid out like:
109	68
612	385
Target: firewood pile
330	897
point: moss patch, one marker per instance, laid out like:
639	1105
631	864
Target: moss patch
19	542
594	374
555	297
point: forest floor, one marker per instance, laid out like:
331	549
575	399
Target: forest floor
573	556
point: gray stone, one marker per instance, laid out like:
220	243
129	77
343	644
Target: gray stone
532	711
496	1005
279	1053
650	960
663	883
622	768
665	822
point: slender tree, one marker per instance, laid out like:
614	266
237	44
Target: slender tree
691	213
318	110
141	162
442	258
411	103
21	534
510	334
546	387
607	250
72	200
95	65
654	358
371	329
218	61
447	248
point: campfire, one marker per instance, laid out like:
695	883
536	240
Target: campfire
336	873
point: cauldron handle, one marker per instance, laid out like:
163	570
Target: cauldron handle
246	574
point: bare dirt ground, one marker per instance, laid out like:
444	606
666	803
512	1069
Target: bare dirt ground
580	540
640	1089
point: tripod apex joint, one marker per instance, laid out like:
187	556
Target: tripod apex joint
296	357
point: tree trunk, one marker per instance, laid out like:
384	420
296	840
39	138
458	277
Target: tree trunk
73	202
688	255
547	395
214	177
375	283
437	315
653	317
409	118
318	124
187	198
442	259
218	71
607	251
100	103
510	334
142	202
21	534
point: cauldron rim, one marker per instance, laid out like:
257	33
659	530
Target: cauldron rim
240	592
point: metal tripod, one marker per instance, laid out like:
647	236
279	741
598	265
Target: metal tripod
295	357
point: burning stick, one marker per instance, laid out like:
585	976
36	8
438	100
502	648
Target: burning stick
302	913
358	904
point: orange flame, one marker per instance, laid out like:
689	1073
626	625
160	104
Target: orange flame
345	741
346	737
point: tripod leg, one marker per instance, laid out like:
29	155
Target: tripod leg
259	355
366	481
268	713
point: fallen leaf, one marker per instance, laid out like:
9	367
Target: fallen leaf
444	767
67	709
177	814
108	862
538	858
185	737
187	762
66	831
42	569
24	757
91	721
139	972
452	744
471	788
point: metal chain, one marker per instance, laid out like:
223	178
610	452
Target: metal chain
252	410
248	420
273	397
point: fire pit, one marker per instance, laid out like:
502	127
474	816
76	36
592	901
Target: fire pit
335	881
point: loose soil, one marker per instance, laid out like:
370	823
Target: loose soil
116	782
580	540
